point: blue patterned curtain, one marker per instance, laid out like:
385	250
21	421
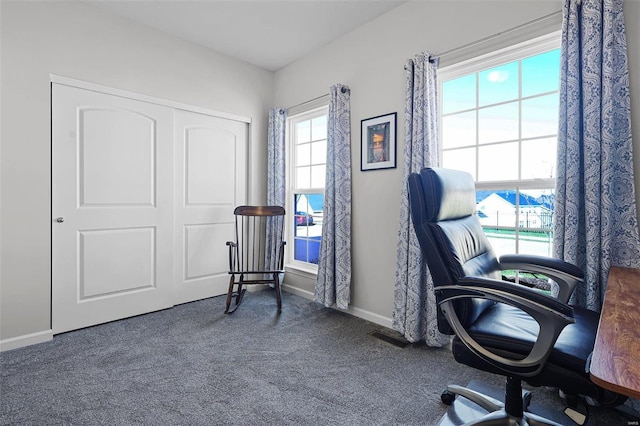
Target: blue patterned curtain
415	308
334	269
276	168
595	213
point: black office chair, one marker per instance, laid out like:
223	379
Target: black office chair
500	326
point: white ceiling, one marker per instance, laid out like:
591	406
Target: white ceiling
267	33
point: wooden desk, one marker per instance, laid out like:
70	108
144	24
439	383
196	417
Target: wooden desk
615	364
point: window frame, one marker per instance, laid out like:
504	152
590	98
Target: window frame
505	55
317	109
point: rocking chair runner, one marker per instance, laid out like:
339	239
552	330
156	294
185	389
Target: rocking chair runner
256	256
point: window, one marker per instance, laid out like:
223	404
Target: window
499	122
307	134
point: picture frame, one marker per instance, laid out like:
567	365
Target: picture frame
378	142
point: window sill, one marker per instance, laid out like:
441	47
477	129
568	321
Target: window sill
302	271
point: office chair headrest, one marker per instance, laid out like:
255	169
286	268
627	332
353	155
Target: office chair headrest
452	195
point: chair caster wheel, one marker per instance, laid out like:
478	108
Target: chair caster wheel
447	397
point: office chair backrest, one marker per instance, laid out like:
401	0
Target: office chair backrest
443	204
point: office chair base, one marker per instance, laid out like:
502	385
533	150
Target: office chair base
486	402
501	417
497	413
577	416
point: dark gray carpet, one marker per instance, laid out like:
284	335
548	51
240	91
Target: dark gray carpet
193	365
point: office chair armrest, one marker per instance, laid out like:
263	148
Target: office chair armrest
232	255
550	314
529	294
566	275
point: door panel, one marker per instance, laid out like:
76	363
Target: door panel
113	190
208	256
133	250
210	161
117	156
210	166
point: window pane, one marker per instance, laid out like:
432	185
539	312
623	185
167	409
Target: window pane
539	158
314	250
459	94
319	152
536	222
301	229
459	130
540	73
303	177
497	215
318	176
540	116
308	227
302	215
303	155
498	84
460	159
301	251
303	131
499	123
307	250
498	162
310	205
316	203
533	220
319	128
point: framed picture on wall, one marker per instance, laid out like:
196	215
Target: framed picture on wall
378	142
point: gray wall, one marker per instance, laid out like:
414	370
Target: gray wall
79	41
370	60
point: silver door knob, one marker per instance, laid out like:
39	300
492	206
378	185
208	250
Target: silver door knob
60	219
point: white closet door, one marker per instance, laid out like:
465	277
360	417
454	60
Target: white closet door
112	207
211	169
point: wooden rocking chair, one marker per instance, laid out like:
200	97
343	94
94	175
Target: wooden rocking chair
256	256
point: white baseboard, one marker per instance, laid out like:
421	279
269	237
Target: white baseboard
298	291
44	336
370	316
26	340
356	312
